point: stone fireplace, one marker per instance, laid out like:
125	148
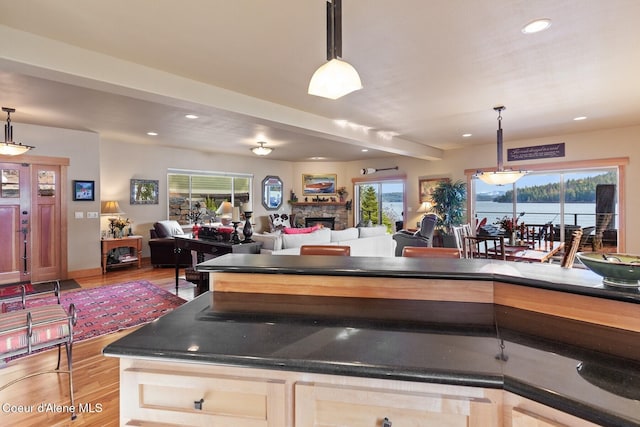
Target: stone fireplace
327	221
321	212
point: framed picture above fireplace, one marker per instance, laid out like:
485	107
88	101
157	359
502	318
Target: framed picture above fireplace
314	184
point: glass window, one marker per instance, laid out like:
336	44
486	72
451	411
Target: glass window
205	192
46	183
10	183
577	199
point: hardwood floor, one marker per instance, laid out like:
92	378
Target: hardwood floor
96	377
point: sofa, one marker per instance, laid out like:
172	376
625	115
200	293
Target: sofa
363	241
161	245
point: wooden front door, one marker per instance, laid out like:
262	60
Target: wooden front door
30	223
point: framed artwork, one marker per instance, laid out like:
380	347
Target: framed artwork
144	192
314	184
426	187
84	191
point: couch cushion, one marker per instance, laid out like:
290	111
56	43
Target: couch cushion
318	237
372	231
49	322
344	235
270	241
168	228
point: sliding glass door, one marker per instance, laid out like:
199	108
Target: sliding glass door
379	202
578	199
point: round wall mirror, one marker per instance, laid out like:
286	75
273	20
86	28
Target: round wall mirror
272	193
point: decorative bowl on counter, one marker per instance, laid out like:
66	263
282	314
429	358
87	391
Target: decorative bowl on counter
615	269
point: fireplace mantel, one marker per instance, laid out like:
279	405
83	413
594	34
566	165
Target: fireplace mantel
318	203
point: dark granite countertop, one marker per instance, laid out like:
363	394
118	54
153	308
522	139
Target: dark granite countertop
587	370
539	275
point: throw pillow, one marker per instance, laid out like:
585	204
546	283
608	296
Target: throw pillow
303	230
280	221
168	228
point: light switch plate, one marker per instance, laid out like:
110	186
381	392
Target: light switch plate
79	215
92	215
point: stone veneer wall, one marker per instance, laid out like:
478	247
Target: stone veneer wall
326	210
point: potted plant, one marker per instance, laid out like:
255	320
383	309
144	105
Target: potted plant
449	199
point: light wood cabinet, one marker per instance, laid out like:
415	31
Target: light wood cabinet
521	412
154	393
324	405
171	397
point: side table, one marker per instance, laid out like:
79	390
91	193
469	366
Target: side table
132	242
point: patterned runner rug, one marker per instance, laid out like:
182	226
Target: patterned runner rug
107	309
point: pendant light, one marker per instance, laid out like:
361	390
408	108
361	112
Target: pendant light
8	147
500	176
261	150
336	78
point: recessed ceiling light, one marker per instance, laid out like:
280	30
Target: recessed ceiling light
364	150
536	26
152	133
317	158
577	119
466	135
191	116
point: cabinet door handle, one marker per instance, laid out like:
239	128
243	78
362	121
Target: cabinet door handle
386	422
197	404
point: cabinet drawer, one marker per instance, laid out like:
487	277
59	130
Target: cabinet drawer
323	405
162	396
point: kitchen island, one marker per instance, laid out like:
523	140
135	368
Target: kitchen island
351	341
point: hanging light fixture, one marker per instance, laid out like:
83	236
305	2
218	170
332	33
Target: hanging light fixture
336	78
8	147
500	176
261	150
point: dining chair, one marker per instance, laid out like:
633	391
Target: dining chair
458	234
484	247
537	235
325	250
422	252
570	252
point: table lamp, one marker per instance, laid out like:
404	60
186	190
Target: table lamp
225	211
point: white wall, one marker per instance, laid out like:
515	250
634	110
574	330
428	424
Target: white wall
82	148
120	163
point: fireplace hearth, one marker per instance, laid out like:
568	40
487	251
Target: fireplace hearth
328	222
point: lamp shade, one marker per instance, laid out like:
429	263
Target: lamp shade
334	79
261	150
13	149
110	207
500	177
225	209
424	207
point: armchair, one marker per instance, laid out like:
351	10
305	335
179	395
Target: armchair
421	238
162	247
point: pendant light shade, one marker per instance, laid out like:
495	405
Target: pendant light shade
500	176
336	78
261	150
8	147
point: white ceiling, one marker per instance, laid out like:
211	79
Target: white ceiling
431	70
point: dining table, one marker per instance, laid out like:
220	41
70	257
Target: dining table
539	252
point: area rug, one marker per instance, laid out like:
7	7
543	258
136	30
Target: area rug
107	309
